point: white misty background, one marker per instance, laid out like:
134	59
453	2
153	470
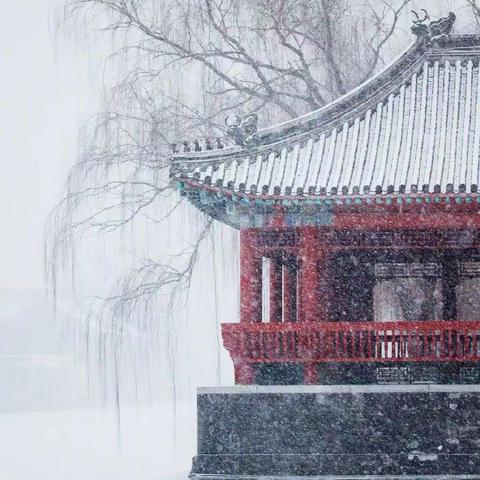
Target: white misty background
58	415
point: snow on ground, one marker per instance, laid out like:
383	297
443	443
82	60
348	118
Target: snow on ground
82	444
50	428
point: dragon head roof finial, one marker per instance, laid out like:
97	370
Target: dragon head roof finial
436	31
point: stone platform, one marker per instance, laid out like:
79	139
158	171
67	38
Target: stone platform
407	432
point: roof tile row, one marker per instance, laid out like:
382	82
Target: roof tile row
424	132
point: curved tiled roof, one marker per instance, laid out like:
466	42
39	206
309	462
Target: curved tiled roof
415	125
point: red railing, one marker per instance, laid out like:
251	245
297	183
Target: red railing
353	342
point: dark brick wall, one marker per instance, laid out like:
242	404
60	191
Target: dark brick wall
322	431
360	373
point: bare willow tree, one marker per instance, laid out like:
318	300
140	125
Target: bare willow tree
176	69
475	8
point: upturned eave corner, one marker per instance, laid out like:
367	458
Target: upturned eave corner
376	140
419	49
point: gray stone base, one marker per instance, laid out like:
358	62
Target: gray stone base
339	432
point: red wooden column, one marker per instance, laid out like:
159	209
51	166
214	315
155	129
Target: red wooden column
250	296
250	278
275	289
309	276
310	374
244	374
313	288
323	288
290	289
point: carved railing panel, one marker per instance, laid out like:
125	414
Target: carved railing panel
354	342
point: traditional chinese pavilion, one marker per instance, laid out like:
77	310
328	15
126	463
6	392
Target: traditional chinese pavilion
360	274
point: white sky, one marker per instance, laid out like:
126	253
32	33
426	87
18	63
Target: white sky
41	99
48	426
46	87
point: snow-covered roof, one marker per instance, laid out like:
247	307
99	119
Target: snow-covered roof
414	126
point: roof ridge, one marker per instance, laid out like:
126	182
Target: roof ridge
378	88
353	104
418	129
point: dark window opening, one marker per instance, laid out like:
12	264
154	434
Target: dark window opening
467	289
352	283
407	291
415	285
280	287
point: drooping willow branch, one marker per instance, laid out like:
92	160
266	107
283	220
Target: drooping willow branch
174	70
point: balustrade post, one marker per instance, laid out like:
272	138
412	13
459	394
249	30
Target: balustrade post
250	278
